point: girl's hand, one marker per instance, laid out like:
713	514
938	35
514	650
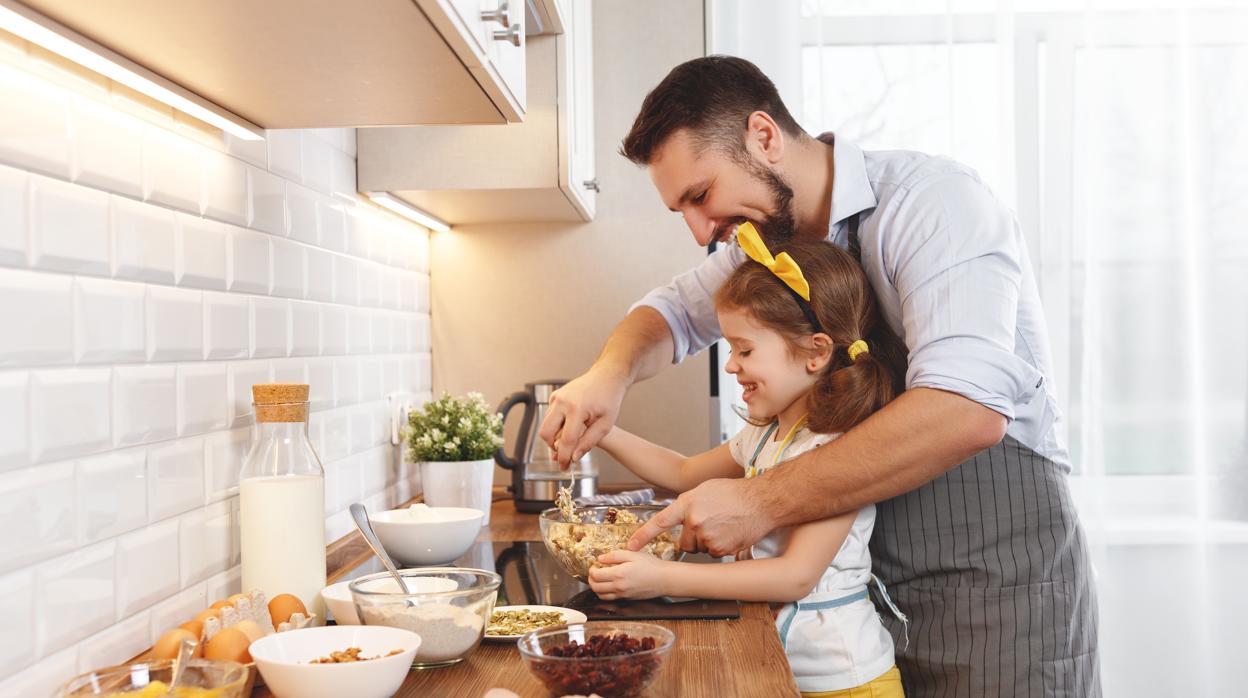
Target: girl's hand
629	575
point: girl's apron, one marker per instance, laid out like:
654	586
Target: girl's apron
991	565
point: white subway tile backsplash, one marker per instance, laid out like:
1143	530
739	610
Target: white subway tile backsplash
421	257
145	404
409	291
248	261
17	607
36	311
333	225
243	375
200	252
347	381
14	201
343	176
320	276
206	542
109	320
301	204
225	188
227	326
250	151
224	452
359	331
346	289
420	328
267	210
370	379
37	507
144	241
75	597
336	437
117	644
361	430
289	371
109	148
175	325
36	136
111	494
370	280
392	376
422	297
317	163
225	584
359	233
69	413
180	607
175	477
390	291
45	678
334	330
398	333
147	567
321	384
288	268
14	448
203	395
286	153
305	328
379	321
270	327
69	227
173	170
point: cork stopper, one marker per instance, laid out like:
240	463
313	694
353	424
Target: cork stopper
280	402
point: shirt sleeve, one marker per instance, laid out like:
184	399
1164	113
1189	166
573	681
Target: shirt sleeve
956	257
687	303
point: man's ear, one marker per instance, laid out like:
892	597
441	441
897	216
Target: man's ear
820	352
764	137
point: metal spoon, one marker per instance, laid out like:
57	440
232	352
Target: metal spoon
185	649
360	514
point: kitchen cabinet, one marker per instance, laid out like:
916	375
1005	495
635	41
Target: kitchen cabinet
297	64
541	170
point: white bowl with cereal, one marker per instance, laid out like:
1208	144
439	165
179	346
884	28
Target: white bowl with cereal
332	661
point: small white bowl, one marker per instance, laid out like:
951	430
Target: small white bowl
419	542
283	660
338	597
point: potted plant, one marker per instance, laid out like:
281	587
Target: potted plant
453	440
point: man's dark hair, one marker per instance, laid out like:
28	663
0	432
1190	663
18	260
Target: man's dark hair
713	97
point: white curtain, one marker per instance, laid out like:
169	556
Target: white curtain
1118	130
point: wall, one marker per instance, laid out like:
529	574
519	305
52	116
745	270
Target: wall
523	302
150	272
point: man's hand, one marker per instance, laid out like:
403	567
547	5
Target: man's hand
581	413
627	575
719	517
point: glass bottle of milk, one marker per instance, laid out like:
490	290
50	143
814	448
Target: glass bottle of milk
282	500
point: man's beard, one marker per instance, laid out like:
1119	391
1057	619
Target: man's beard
780	226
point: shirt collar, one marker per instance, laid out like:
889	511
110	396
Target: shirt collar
851	189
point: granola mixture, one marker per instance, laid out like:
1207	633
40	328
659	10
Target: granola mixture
577	544
518	622
351	654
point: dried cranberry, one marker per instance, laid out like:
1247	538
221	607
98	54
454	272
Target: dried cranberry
621	674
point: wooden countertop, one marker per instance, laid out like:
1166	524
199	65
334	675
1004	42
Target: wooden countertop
711	658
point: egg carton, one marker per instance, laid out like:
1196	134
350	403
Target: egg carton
253	606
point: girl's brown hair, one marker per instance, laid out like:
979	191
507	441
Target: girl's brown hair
847	392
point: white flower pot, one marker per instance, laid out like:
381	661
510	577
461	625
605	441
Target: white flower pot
459	484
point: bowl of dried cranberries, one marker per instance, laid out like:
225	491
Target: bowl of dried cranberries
607	658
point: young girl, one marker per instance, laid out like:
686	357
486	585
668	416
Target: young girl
814	356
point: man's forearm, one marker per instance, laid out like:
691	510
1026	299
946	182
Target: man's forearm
639	347
914	439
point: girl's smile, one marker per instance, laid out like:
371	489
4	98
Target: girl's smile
774	379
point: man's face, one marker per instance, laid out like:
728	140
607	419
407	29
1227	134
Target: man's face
715	192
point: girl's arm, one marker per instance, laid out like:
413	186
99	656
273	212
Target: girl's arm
665	467
789	577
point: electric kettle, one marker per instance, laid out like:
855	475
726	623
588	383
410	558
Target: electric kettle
535	475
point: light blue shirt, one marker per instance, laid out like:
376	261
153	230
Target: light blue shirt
949	266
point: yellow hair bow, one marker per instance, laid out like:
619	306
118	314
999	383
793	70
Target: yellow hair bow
783	266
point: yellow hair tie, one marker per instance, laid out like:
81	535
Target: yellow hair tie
858	347
782	265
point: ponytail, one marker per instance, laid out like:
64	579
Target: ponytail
850	390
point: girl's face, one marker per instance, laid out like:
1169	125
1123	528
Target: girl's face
773	378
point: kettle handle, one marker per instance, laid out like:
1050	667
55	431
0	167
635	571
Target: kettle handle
500	456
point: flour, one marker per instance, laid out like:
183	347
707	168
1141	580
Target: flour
446	632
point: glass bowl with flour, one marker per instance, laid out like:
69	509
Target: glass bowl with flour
448	607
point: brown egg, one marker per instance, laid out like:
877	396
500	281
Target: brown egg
250	629
194	627
283	606
230	644
167	646
207	613
220	604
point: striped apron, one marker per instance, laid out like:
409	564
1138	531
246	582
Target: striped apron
991	566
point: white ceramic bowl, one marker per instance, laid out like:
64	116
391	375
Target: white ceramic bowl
417	542
338	597
283	660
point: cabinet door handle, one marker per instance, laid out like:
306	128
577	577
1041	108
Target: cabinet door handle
592	184
499	15
511	35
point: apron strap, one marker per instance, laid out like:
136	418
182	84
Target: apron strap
905	622
855	247
820	605
749	470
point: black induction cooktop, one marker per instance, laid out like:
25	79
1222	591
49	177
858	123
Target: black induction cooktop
531	575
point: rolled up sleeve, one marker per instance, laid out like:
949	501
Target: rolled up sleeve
688	305
956	258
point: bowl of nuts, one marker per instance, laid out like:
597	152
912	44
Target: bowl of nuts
608	658
577	536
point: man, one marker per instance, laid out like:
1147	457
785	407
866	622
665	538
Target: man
976	535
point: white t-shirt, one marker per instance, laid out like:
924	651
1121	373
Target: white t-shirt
832	648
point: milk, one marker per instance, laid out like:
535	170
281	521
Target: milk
283	536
